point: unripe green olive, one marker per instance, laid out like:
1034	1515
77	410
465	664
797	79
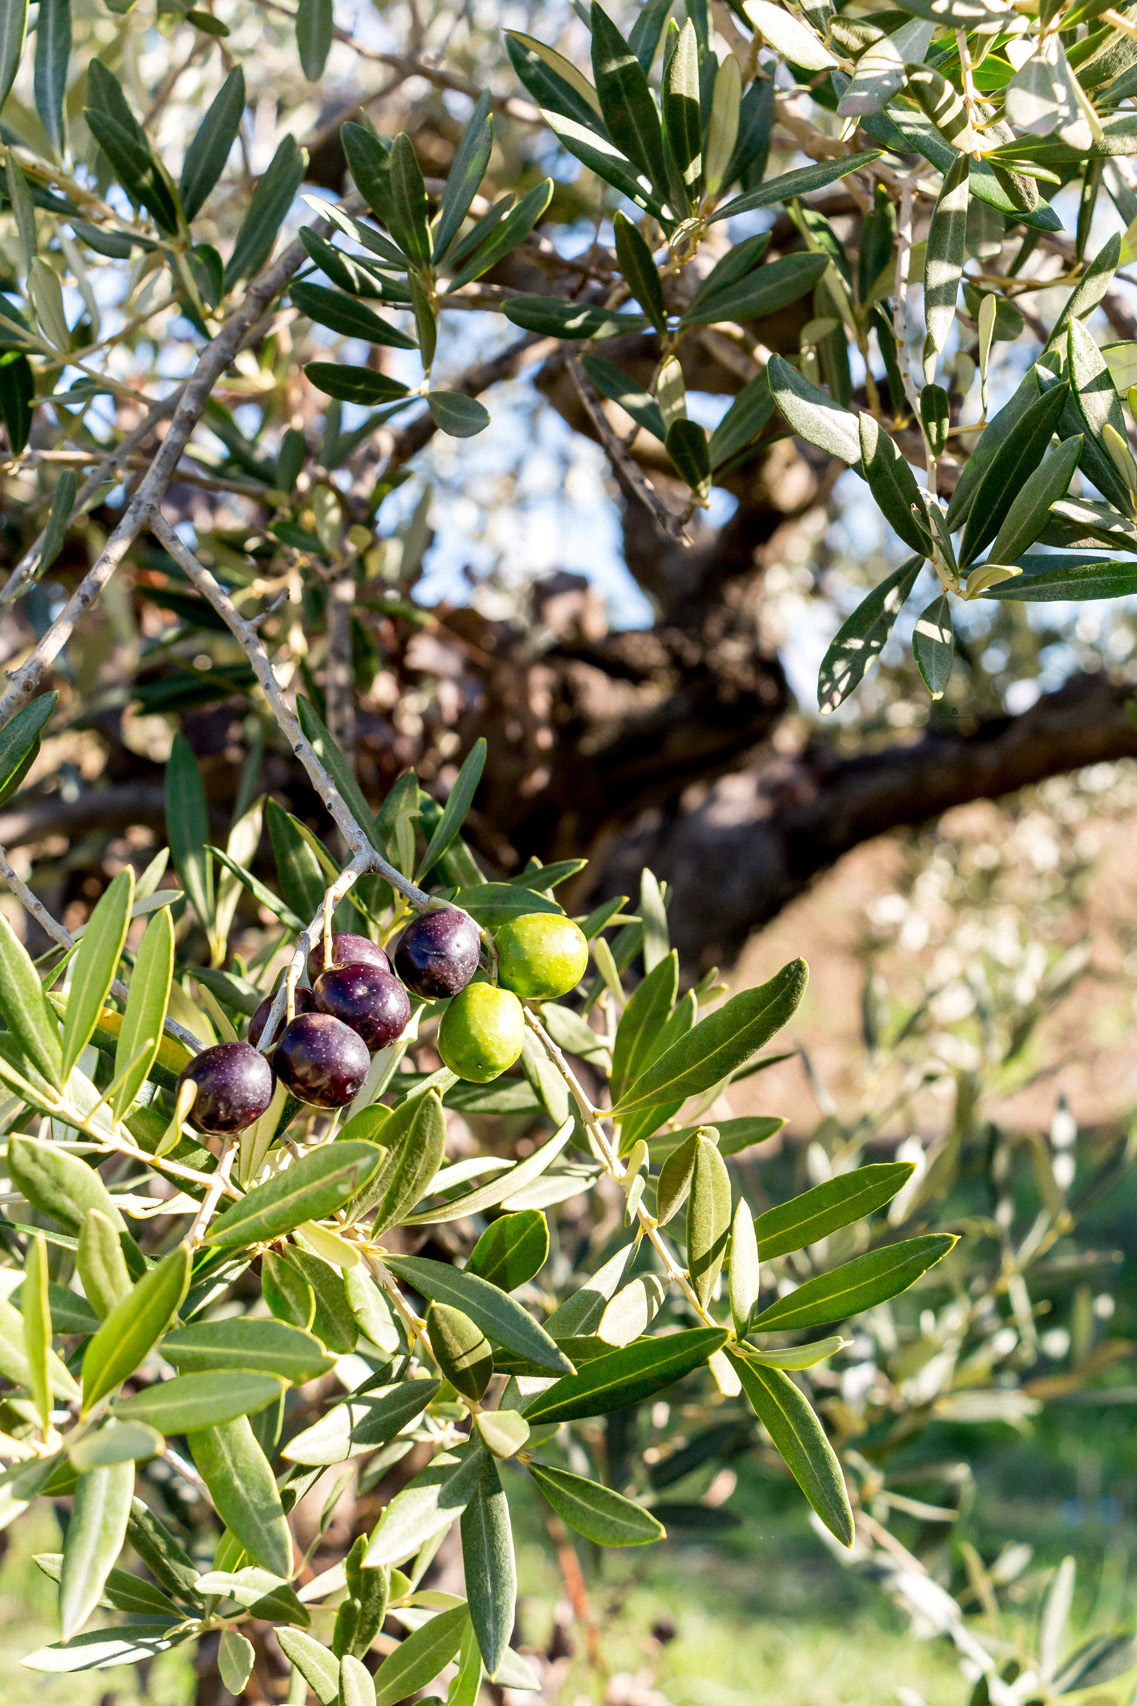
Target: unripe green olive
541	955
481	1032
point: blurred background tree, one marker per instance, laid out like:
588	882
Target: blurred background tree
644	688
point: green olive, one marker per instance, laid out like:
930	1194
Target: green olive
481	1032
541	955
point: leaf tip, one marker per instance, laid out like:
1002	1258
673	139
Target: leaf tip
846	1533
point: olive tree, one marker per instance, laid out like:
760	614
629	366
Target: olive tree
225	356
180	367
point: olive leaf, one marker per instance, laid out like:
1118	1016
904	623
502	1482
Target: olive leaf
858	1285
241	1485
708	1216
862	636
511	1250
743	1269
812	414
461	1349
626	1376
499	1317
720	1043
420	1657
95	965
602	1515
933	645
148	998
134	1326
93	1540
943	265
25	1009
488	1560
800	1441
313	1188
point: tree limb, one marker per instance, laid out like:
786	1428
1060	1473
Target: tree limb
761	837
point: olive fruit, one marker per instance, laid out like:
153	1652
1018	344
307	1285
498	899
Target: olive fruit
437	955
372	1002
347	949
321	1060
234	1087
541	955
481	1032
259	1019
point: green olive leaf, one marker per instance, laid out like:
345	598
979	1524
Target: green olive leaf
501	1319
25	1008
241	1485
800	1441
312	1188
720	1043
857	1285
600	1514
199	1400
829	1206
94	1538
134	1326
95	965
418	1659
626	1376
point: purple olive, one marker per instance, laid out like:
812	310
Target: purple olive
372	1002
304	1004
234	1087
437	955
347	950
321	1060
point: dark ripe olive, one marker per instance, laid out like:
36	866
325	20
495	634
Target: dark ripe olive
321	1060
437	955
372	1002
234	1087
304	1004
347	950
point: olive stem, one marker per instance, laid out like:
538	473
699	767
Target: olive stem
247	637
189	1474
212	1197
383	1276
615	1167
284	1001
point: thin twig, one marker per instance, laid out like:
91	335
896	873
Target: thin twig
592	1117
188	1474
245	633
408	66
258	492
337	668
144	505
26	568
284	1001
213	1195
631	479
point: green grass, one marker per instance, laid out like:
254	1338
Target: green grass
746	1630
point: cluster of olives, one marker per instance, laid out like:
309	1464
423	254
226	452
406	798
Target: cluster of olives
358	1003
